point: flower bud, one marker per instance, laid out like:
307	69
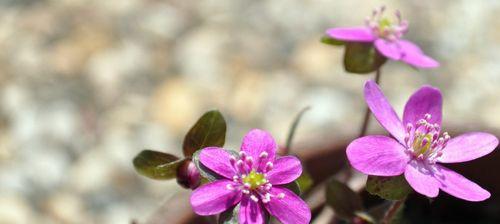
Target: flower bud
188	175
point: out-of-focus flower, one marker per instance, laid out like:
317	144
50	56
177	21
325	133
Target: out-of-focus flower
386	35
418	146
253	180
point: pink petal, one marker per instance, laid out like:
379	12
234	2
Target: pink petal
390	49
251	212
421	179
459	186
217	160
426	100
413	55
468	146
383	111
377	155
255	143
289	209
354	34
214	198
285	170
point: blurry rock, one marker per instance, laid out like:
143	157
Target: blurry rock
69	55
316	60
66	207
15	209
176	104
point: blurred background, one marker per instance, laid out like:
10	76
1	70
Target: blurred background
86	85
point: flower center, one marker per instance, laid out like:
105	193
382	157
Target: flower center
386	28
424	141
254	179
251	182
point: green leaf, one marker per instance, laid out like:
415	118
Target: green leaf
362	58
295	124
294	187
230	216
389	188
204	171
304	181
209	130
344	201
156	165
331	41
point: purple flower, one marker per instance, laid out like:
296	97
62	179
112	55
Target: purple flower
418	146
254	179
386	35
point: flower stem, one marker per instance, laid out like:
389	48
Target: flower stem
392	211
366	119
364	128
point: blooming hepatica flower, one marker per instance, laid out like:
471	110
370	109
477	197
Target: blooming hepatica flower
419	146
386	35
254	179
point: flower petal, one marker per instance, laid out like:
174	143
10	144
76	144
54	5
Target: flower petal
285	170
354	34
377	155
413	55
214	198
459	186
468	146
421	179
217	159
426	100
289	209
255	143
251	212
390	49
383	111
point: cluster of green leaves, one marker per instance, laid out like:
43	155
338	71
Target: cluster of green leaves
209	130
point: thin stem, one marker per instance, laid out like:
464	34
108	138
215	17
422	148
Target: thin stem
364	127
392	211
366	118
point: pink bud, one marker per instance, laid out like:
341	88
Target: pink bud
188	175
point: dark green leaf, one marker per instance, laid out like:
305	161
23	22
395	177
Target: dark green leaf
295	123
230	216
344	201
293	186
204	171
362	58
209	130
156	165
331	41
389	188
305	181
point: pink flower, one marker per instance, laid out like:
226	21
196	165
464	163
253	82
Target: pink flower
387	38
418	146
254	180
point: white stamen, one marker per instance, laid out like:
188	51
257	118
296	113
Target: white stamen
427	116
229	187
254	198
269	166
263	155
281	195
